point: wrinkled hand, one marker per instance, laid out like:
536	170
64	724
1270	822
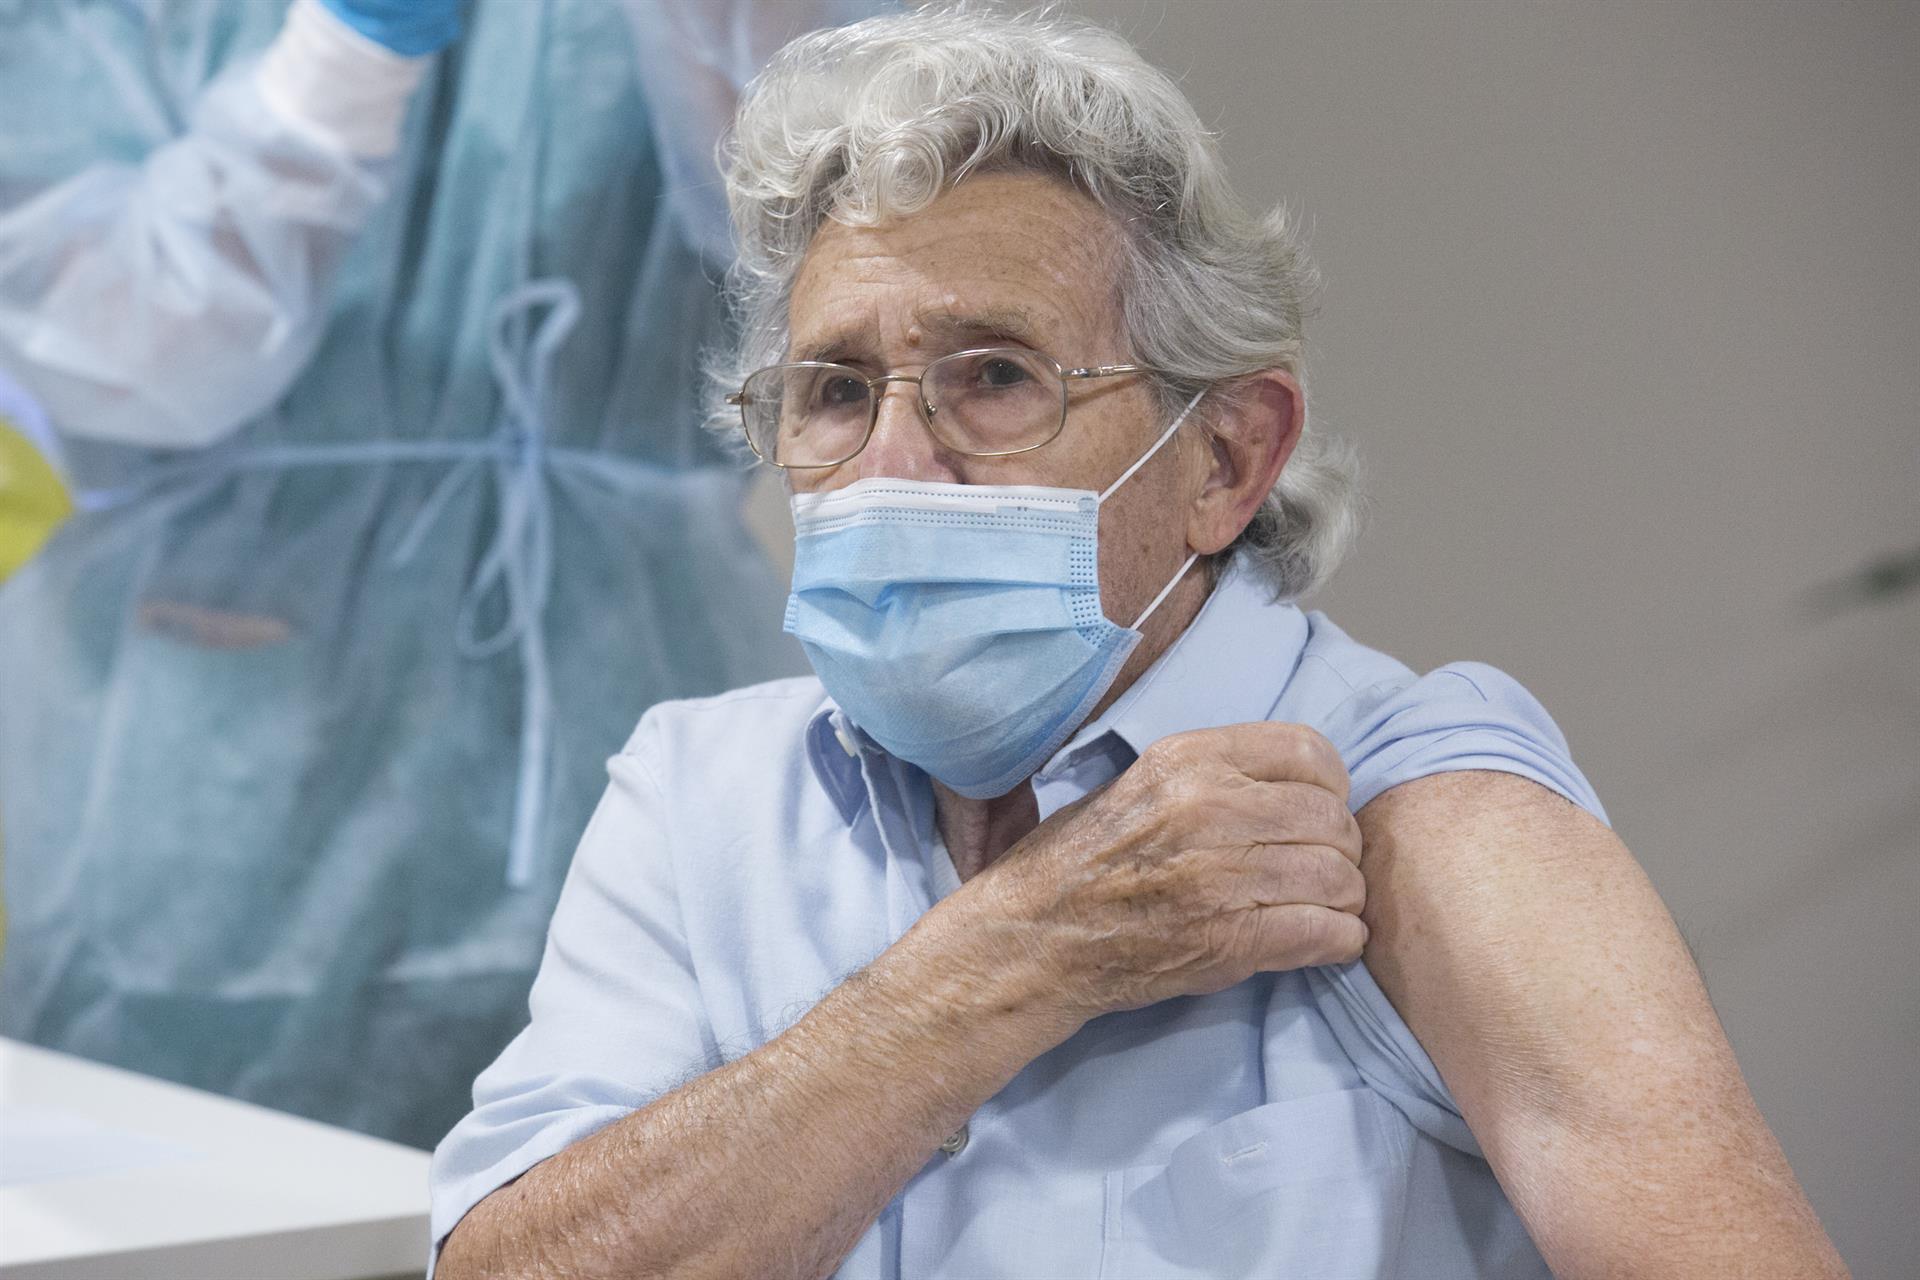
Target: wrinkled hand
1219	854
408	27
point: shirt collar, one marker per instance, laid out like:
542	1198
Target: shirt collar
1229	666
833	749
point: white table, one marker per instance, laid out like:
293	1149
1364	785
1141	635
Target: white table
104	1173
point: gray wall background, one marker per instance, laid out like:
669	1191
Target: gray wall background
1622	308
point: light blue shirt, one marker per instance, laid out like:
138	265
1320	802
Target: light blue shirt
754	850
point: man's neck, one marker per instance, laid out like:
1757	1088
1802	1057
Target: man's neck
977	832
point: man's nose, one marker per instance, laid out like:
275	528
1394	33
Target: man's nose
902	447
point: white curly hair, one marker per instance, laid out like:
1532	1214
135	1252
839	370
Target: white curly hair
876	119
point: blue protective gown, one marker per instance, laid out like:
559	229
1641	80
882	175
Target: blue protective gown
299	725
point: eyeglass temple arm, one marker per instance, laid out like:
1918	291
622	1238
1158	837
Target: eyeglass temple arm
1103	370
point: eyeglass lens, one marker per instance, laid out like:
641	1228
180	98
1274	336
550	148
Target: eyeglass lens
983	402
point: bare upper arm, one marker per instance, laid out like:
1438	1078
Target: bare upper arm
1532	958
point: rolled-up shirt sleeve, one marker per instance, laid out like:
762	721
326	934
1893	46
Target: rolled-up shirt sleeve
617	1018
1465	715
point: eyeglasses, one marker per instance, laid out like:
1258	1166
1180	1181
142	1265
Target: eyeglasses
986	403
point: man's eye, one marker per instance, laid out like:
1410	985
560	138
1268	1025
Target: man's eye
842	393
1001	372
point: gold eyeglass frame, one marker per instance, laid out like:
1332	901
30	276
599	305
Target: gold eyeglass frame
875	389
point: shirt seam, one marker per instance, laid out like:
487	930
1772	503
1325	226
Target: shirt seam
1470	681
1338	674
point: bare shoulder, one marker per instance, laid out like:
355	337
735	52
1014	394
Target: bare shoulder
1498	910
1471	847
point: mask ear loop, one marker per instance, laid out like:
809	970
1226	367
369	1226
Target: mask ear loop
1164	592
1143	459
1127	475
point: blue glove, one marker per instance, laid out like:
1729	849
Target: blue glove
408	27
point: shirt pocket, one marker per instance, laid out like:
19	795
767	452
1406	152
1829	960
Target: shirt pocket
1313	1186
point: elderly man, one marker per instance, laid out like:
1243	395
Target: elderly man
1025	941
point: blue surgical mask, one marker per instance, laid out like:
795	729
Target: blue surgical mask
960	626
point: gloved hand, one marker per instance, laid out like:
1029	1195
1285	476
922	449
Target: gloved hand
408	27
32	499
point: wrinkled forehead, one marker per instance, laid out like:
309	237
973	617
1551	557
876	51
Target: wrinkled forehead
1003	257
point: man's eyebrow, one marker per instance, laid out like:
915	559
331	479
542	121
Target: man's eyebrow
837	344
985	325
832	346
1009	323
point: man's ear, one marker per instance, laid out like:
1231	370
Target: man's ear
1251	433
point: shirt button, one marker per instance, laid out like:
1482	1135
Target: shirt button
846	742
956	1143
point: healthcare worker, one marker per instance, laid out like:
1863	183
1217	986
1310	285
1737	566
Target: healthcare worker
372	343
